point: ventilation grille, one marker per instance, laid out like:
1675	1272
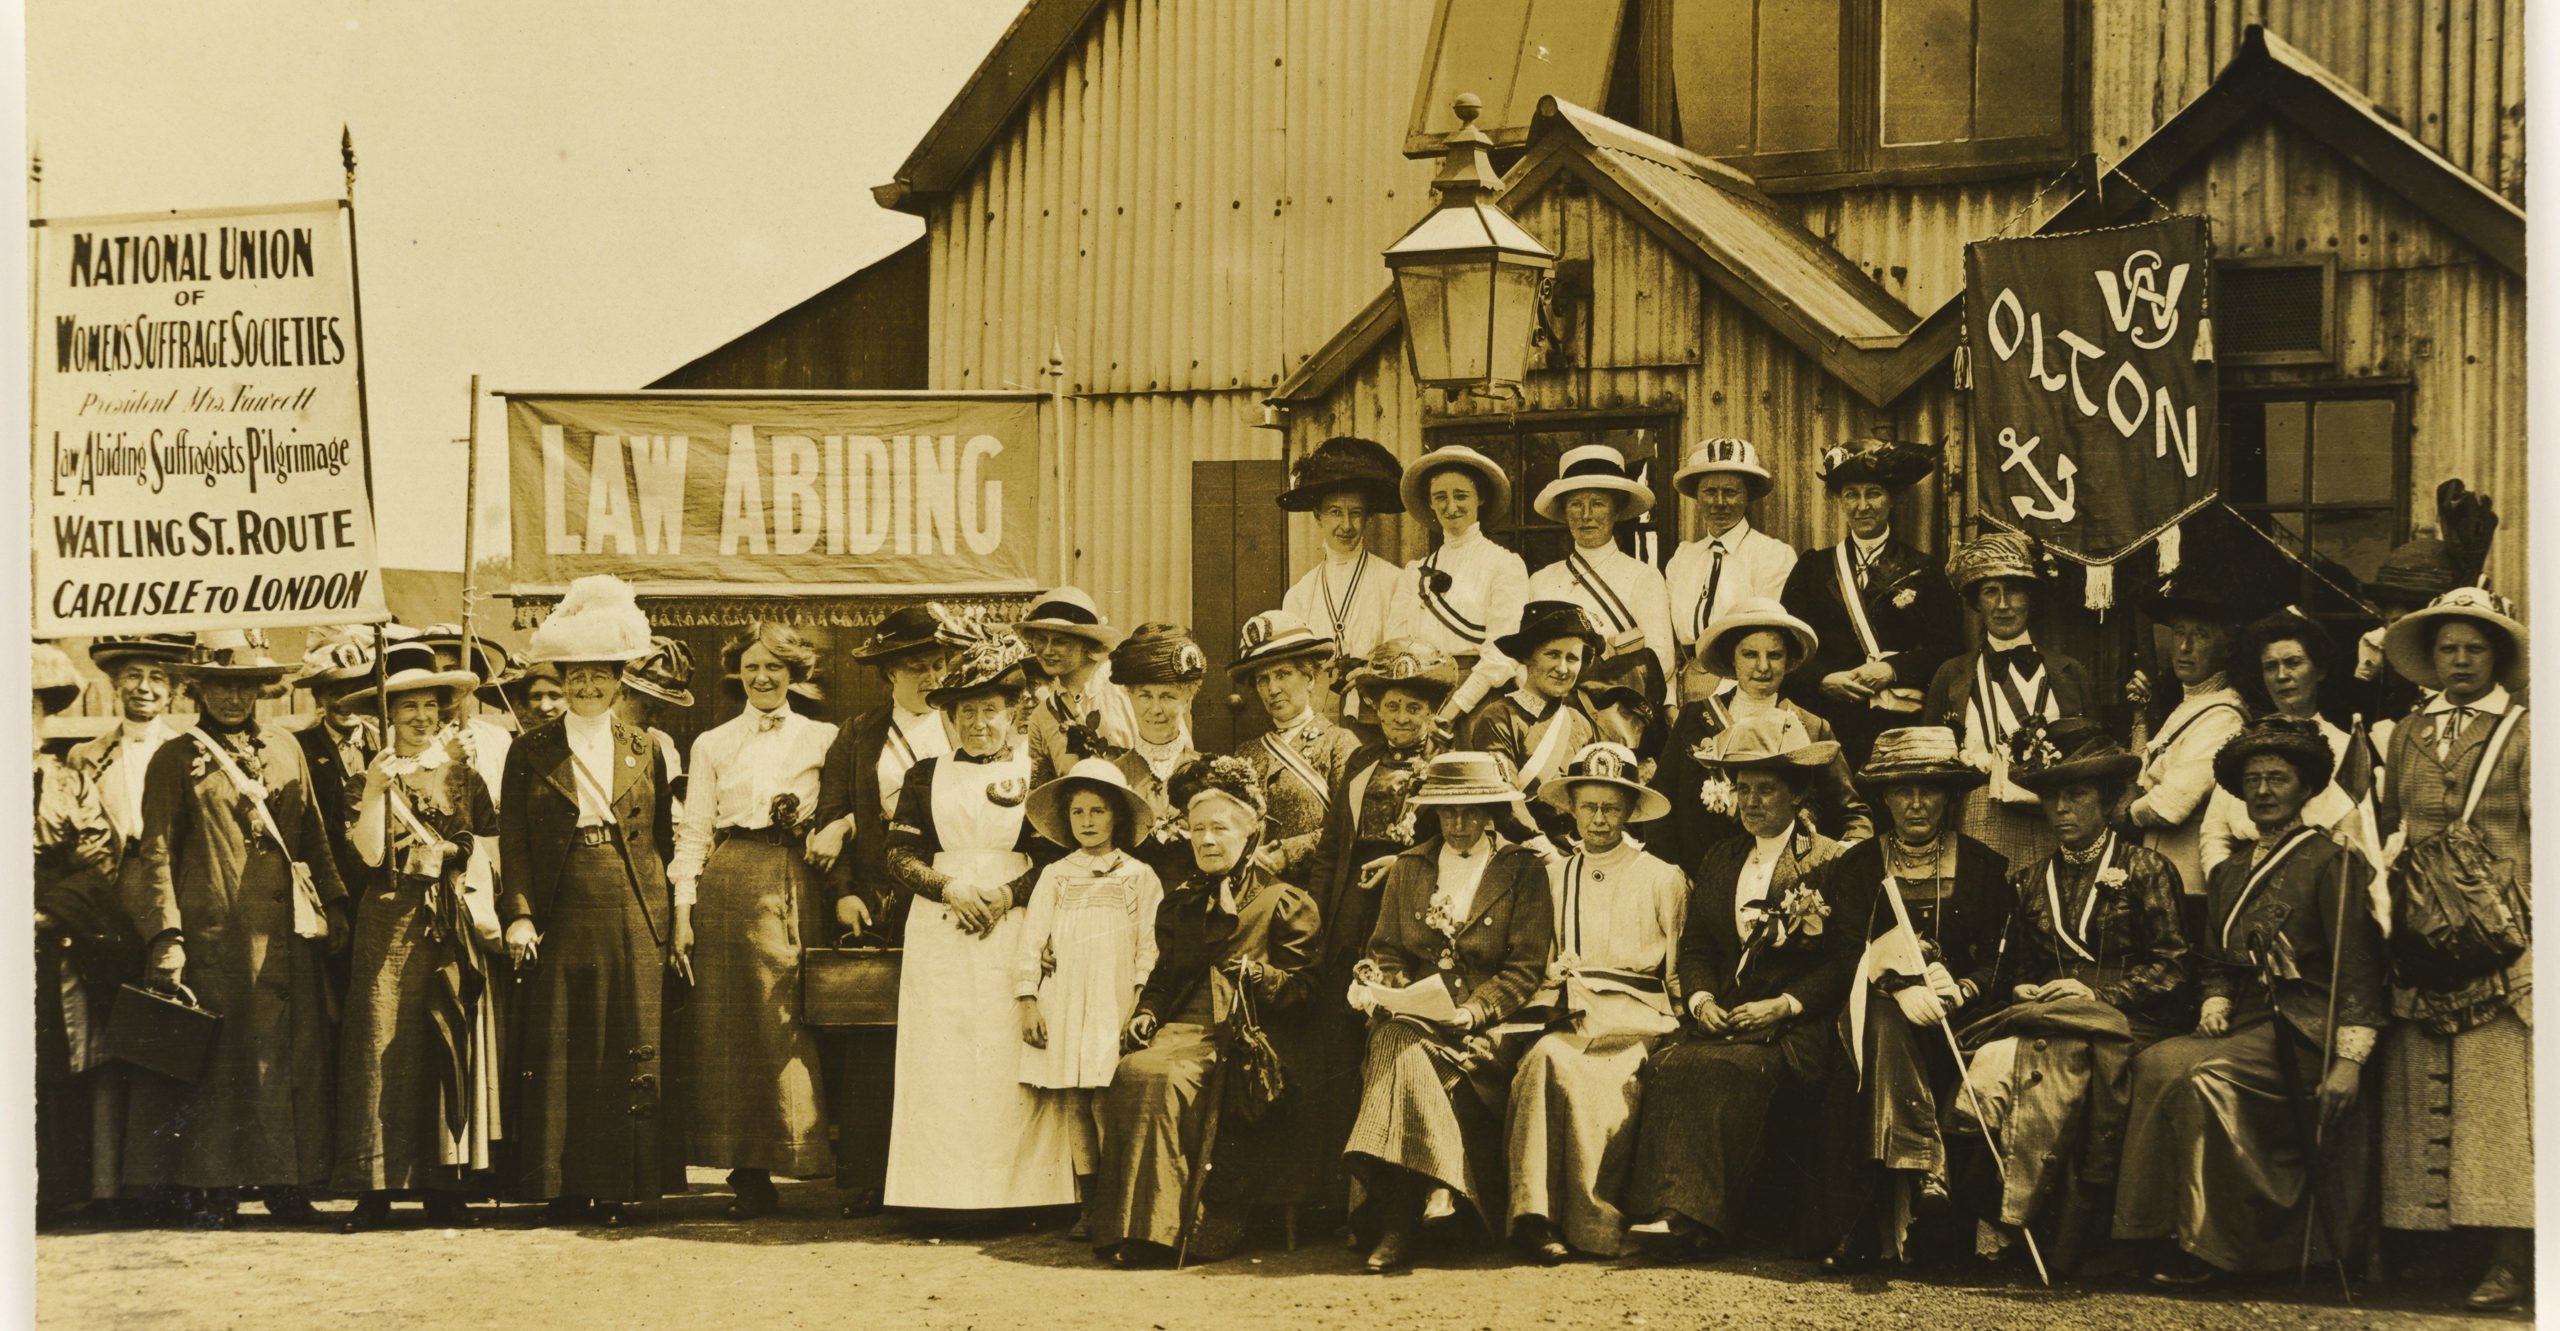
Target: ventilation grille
2272	312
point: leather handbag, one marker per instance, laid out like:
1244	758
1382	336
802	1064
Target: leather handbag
161	1032
850	985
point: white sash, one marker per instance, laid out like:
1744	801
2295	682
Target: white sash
1296	764
1855	598
1605	597
308	922
2257	876
1535	770
2071	937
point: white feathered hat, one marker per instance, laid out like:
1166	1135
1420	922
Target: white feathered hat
598	619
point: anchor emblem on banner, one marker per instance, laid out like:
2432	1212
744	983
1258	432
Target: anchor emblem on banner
2060	506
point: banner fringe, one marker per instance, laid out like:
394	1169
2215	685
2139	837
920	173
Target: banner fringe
2101	594
2172	547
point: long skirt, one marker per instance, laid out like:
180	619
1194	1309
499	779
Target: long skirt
2214	1154
392	1133
591	1122
1705	1125
261	1113
1431	1103
750	1084
965	1133
1572	1134
1153	1117
2457	1125
1886	1126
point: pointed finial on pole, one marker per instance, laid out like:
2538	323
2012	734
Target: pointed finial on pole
347	156
35	180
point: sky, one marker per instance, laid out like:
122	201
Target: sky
561	194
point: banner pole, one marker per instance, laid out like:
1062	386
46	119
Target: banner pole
471	521
35	326
355	295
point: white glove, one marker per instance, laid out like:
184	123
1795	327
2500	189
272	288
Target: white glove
1360	998
1920	1006
1943	983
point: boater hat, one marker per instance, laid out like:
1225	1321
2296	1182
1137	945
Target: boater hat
1410	664
1493	485
168	649
1274	636
1929	755
1069	610
598	619
665	674
1884	462
2296	741
1047	807
1605	764
1542	622
1345	462
2072	751
1593	467
2410	644
1753	614
1733	457
335	663
1462	779
52	678
411	666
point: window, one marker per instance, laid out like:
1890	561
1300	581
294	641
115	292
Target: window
1511	53
1529	455
2322	472
1794	89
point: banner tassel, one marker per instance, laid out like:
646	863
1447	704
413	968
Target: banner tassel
2204	340
2171	546
1964	368
2101	593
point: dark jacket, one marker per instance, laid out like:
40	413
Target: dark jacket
849	782
1274	924
1812	966
538	819
1920	635
1949	690
1333	868
1500	953
329	778
1961	930
2137	958
2317	900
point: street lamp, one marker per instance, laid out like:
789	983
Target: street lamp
1468	275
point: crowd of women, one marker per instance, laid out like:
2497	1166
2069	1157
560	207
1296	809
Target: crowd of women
1586	908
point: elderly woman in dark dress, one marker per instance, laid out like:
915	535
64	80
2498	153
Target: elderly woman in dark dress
1938	902
2228	1123
1232	942
1469	916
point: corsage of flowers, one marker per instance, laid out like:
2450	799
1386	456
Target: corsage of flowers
1715	787
2030	749
787	813
1803	910
1904	599
1438	919
2112	878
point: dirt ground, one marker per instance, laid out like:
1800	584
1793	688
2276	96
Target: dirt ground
692	1268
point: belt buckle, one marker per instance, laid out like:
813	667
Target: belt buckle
595	835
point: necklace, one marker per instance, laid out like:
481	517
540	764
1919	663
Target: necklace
1925	853
2084	858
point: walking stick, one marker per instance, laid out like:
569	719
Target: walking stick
2328	1061
2306	1120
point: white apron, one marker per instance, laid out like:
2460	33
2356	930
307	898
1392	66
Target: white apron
965	1134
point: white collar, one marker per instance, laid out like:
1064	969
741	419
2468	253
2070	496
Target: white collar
1732	537
586	727
1627	848
1992	644
1108	858
1537	705
1352	560
1474	534
1866	551
1601	553
2492	703
750	716
902	718
1769	848
143	732
1304	721
1483	848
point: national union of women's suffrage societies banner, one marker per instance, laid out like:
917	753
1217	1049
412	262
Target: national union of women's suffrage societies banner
775	494
199	448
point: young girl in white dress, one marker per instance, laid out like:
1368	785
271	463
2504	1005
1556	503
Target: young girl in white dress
1087	944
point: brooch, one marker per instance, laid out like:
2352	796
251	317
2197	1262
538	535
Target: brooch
1009	792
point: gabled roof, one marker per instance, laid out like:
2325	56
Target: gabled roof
1012	71
1832	311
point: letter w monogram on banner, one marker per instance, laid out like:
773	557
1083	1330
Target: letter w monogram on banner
2093	384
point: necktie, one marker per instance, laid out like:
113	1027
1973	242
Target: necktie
2022	659
766	721
1864	561
2450	731
1715	575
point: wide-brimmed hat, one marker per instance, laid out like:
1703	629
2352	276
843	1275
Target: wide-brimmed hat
1221	774
1158	653
1766	743
909	628
1071	611
1345	462
1047	807
597	619
410	666
1884	462
1754	614
2199	594
1594	467
237	654
1493	485
485	657
52	677
1732	457
1924	754
1605	764
992	662
1542	622
1274	636
1462	779
1997	554
2297	741
110	652
2410	644
2072	751
336	662
665	672
1410	664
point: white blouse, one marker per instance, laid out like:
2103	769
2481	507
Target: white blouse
1346	600
738	768
1756	564
1487	587
1636	588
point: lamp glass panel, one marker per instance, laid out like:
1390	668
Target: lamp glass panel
1467	297
1426	320
1515	309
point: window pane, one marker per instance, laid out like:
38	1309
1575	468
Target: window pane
2357	539
2018	69
2288	434
2354	443
1798	91
1512	52
1711	72
2244	453
1927	60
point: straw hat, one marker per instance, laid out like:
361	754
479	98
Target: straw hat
1345	462
1593	467
1158	654
1999	554
598	619
1732	457
1605	764
2410	644
168	649
52	678
1894	466
411	666
1753	614
335	663
234	654
1768	744
1047	807
1464	779
1410	664
665	672
1274	636
2297	742
1927	754
2072	751
991	664
1069	610
1542	622
1493	484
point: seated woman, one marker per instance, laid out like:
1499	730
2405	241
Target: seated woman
1467	915
2093	970
1938	904
2228	1123
1573	1098
1534	727
1751	649
1232	941
1763	976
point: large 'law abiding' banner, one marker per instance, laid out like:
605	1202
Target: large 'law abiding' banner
699	494
2093	420
199	448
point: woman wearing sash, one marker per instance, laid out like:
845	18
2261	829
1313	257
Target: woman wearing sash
857	792
1750	651
584	834
1468	592
1727	560
965	1133
418	1077
1628	601
2170	794
1881	611
2229	1125
1303	758
1158	668
2457	1125
1343	483
1986	695
1533	726
1938	904
1573	1097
